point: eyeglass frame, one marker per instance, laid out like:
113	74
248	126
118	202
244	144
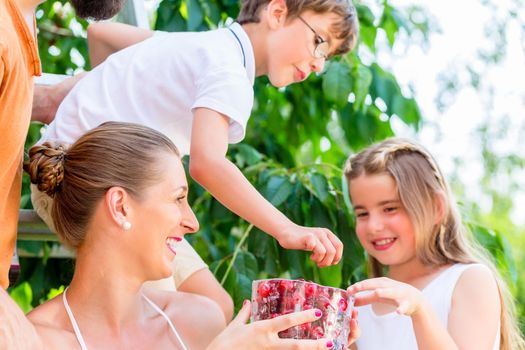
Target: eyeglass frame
319	52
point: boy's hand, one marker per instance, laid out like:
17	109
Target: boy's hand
326	247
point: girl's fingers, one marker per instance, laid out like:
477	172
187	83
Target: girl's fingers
283	322
355	331
370	284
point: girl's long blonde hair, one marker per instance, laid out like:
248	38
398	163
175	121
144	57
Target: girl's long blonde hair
419	183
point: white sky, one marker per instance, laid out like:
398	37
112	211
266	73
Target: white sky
461	34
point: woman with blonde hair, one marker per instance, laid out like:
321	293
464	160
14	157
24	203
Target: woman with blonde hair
120	201
432	286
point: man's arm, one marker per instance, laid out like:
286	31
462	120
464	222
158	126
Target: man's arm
47	98
16	332
105	38
210	167
203	282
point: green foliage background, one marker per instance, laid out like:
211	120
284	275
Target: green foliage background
297	140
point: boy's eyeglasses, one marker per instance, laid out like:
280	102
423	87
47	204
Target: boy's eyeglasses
322	47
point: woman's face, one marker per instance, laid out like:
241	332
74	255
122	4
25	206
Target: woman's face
382	222
162	217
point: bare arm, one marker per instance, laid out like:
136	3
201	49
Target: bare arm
475	312
473	318
203	282
16	332
47	98
210	167
105	38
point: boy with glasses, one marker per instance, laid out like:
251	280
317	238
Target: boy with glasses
197	88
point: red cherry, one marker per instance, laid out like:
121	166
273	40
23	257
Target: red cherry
309	289
298	299
264	289
285	286
317	332
343	304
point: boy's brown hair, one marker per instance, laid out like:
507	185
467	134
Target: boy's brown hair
346	28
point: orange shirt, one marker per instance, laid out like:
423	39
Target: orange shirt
19	62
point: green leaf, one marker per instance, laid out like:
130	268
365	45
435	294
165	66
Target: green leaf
407	110
362	80
23	296
337	83
195	15
320	186
278	189
331	275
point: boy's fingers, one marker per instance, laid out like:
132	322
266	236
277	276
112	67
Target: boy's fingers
318	252
338	247
330	251
244	314
283	322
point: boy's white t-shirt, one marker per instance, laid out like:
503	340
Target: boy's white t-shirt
158	83
395	332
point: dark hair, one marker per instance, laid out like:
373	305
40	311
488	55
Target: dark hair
113	154
346	28
97	9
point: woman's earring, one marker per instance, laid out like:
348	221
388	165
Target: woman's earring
126	225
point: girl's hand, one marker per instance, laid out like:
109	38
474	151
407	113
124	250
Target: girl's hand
264	334
406	298
355	331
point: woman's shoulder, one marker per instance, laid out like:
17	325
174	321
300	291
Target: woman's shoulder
49	313
48	320
198	319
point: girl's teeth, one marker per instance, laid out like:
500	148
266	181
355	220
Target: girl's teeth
384	241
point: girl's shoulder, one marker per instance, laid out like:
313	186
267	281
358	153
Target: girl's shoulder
476	280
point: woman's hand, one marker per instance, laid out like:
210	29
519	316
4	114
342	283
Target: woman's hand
264	334
407	299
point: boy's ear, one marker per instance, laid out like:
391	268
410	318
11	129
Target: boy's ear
276	11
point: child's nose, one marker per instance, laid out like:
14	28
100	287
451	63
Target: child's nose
375	224
317	65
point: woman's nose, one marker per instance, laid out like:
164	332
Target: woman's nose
189	221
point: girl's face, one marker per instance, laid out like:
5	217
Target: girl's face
383	225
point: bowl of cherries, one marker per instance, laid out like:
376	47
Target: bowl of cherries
275	297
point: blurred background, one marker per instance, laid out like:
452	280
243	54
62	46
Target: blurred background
449	74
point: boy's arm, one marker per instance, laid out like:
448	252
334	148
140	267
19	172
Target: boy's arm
210	167
105	38
203	282
47	98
